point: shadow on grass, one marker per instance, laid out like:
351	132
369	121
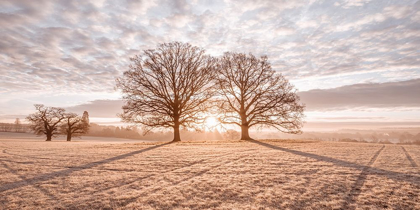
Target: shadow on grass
365	170
356	188
372	170
52	175
44	191
413	163
196	174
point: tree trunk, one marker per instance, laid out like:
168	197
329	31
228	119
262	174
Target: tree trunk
49	136
68	137
177	135
245	133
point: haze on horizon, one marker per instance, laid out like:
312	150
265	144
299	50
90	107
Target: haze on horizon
355	63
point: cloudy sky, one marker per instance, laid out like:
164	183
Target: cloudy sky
351	60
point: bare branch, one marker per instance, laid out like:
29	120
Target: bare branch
168	87
256	95
46	120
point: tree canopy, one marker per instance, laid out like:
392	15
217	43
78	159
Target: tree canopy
175	85
168	87
52	121
74	125
252	94
46	120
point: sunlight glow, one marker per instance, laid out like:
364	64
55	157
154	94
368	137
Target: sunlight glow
211	123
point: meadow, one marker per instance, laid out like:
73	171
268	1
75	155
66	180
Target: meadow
256	174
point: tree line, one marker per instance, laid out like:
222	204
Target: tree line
133	132
16	127
177	86
52	121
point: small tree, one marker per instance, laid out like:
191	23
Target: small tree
45	120
169	88
85	117
252	94
74	125
18	125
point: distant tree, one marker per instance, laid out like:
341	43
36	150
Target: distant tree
18	125
74	125
168	87
119	132
385	142
46	120
375	138
85	117
6	127
347	140
417	139
252	94
231	134
108	132
403	138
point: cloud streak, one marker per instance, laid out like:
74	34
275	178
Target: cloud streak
376	95
99	108
392	95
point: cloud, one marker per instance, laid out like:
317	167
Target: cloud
99	108
351	118
67	47
351	3
377	95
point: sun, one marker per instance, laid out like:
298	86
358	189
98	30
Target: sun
211	122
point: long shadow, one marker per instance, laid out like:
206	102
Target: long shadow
372	170
52	175
413	163
44	191
133	199
147	176
357	186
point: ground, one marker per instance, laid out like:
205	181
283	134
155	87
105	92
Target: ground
263	174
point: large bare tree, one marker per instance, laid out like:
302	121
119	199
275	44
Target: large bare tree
168	87
46	120
252	94
74	125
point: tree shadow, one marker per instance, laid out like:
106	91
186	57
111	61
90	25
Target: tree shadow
66	172
365	171
356	188
44	191
175	183
147	176
413	163
397	176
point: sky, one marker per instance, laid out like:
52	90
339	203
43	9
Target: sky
352	61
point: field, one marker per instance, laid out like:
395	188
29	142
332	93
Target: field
263	174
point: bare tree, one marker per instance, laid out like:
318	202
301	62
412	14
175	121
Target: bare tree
169	88
252	94
45	120
85	117
74	125
18	125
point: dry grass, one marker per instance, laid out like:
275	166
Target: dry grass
218	175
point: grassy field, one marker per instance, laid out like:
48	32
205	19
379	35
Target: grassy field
267	174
